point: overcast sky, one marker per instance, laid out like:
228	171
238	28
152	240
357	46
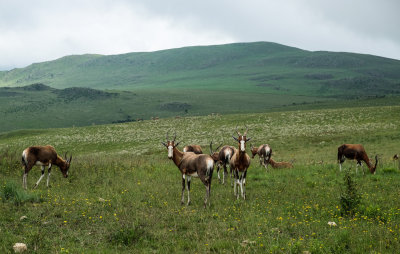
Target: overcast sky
42	30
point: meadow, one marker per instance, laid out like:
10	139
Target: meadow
123	194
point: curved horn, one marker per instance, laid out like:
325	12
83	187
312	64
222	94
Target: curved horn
70	159
237	131
65	155
211	150
245	133
167	136
218	147
175	136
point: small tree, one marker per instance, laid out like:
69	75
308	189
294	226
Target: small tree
349	198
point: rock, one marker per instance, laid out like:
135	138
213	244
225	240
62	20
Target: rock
20	247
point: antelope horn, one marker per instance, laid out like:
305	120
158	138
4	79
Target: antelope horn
211	150
238	131
70	159
218	147
174	136
245	133
167	136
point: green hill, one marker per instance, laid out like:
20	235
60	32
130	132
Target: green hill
259	67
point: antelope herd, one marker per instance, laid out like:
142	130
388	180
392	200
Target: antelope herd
191	162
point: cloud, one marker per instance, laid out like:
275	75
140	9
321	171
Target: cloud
35	31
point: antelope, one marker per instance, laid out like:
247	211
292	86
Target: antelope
222	158
264	153
355	152
43	156
240	162
191	164
193	148
395	157
282	164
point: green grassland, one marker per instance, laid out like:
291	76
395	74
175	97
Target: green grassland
38	106
123	194
192	81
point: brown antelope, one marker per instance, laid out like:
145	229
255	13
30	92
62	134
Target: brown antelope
222	158
264	153
282	164
43	156
191	164
240	162
193	148
355	152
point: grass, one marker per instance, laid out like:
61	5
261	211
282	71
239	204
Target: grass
123	194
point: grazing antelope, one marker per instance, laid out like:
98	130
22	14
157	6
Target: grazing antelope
264	153
282	164
191	164
240	162
43	156
193	148
355	152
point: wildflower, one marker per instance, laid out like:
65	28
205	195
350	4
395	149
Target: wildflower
332	223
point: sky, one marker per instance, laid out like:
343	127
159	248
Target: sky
44	30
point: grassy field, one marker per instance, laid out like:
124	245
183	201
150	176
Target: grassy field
123	194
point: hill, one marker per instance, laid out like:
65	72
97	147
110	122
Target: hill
259	67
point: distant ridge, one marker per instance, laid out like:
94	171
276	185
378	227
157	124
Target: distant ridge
261	67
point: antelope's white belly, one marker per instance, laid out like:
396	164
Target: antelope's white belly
193	174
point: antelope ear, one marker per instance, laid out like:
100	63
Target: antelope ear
162	143
177	144
248	139
235	138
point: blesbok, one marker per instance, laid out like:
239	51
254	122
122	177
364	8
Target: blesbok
193	148
43	156
355	152
240	162
222	158
191	164
264	153
282	164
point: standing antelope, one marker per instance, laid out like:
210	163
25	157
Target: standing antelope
191	164
193	148
355	152
222	158
43	156
240	162
264	153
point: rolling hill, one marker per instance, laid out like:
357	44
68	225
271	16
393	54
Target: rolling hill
192	81
259	67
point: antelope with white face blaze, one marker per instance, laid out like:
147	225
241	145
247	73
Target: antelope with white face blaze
43	156
240	162
191	164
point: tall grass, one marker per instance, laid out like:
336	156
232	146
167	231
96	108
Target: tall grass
123	194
